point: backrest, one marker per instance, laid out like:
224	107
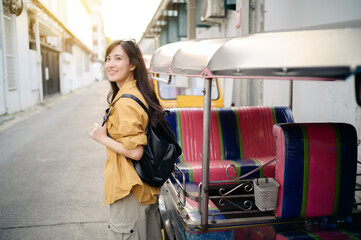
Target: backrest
187	123
247	131
192	135
316	169
236	133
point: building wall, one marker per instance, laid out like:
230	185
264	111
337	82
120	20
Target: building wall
83	71
76	70
313	101
98	37
67	73
2	69
225	29
26	62
99	44
2	84
283	14
148	46
83	27
12	93
75	66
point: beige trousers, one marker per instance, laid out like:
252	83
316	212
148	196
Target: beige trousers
131	220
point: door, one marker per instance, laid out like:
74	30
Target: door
50	70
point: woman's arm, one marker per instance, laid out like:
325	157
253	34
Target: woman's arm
99	134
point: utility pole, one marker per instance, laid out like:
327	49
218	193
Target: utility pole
191	19
256	25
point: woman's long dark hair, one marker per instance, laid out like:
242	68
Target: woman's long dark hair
144	84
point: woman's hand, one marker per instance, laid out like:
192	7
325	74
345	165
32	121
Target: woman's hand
99	133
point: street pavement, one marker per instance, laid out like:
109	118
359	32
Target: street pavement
51	171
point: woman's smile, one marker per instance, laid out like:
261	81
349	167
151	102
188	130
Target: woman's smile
117	66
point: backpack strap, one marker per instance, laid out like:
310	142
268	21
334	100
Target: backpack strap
125	96
135	99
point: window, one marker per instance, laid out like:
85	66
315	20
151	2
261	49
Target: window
164	36
68	47
182	20
173	29
189	86
79	62
199	23
10	50
230	4
87	62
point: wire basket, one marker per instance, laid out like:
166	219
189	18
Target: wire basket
265	193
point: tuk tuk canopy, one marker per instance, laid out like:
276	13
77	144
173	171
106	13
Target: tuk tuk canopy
311	54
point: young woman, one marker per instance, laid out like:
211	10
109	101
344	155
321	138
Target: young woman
133	204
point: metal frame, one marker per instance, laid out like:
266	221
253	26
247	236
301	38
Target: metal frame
203	196
206	150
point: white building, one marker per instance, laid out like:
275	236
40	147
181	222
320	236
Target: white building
42	51
99	42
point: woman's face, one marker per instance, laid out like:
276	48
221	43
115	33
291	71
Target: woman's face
117	66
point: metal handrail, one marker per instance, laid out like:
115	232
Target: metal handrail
183	188
249	173
245	175
162	80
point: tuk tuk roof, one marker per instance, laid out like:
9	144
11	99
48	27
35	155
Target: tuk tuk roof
311	54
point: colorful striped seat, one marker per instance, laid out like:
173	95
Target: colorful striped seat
295	231
316	169
239	135
330	234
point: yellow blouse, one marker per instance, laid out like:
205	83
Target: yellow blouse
126	124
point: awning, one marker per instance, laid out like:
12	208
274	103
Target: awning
312	54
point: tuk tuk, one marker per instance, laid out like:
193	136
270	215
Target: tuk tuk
254	172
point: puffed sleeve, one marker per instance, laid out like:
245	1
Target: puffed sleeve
132	123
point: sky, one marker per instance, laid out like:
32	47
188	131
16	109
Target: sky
127	18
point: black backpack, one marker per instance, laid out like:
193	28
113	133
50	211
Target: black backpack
160	153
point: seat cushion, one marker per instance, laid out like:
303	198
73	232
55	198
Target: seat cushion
332	234
316	169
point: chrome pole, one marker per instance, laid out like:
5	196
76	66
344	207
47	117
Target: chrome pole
206	149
